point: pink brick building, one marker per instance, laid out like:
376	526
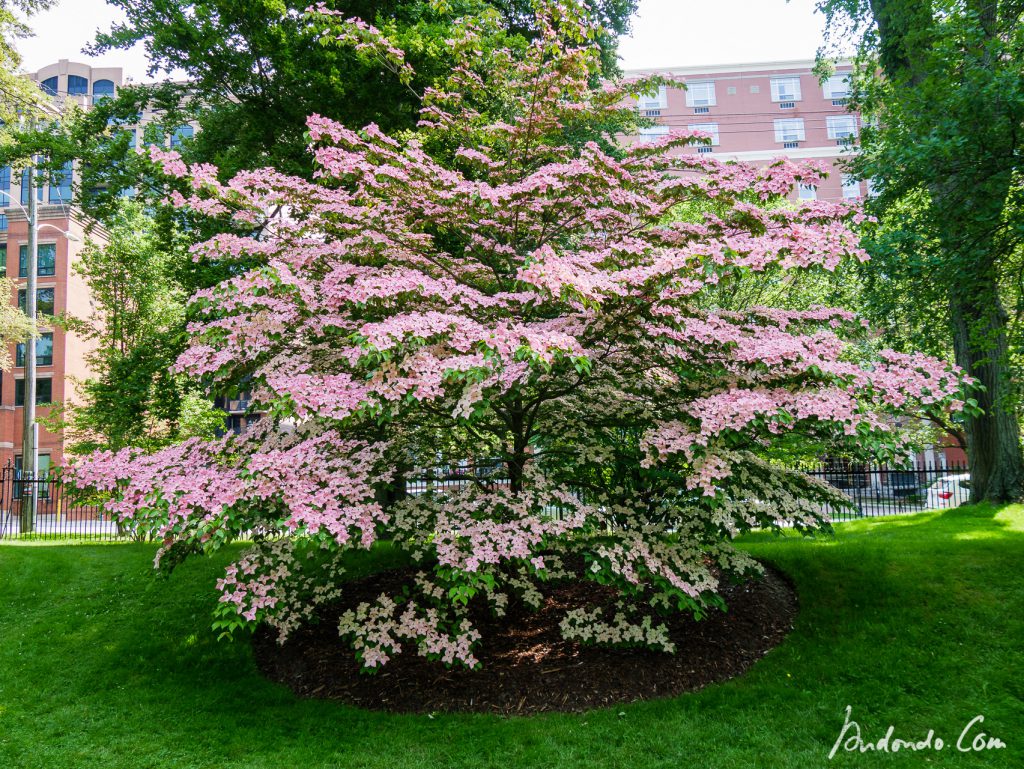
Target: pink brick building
758	112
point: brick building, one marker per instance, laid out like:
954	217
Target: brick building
758	112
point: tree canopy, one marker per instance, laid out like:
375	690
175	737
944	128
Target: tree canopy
941	85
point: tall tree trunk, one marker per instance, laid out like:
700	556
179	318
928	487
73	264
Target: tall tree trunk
993	437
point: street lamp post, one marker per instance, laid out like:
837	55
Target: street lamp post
30	442
29	447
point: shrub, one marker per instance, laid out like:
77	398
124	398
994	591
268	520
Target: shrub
497	286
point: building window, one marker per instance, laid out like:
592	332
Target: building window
872	187
50	86
785	89
5	186
60	184
646	102
851	187
101	89
755	89
789	129
77	86
708	128
181	134
46	264
130	133
44	391
700	94
3	228
807	192
837	87
44	300
652	134
44	351
43	470
24	186
3	255
841	127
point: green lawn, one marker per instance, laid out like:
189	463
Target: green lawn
915	621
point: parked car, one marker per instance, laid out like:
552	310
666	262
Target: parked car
899	484
950	491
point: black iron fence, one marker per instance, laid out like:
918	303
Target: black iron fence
879	490
49	508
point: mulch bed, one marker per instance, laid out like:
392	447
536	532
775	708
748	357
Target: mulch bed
527	667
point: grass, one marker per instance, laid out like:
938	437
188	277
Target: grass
915	621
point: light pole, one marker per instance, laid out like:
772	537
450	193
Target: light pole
30	441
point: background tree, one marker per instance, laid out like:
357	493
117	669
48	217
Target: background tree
133	397
256	70
942	84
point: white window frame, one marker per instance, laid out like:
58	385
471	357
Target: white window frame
851	187
841	126
657	100
807	192
837	86
777	84
706	88
708	128
652	134
790	129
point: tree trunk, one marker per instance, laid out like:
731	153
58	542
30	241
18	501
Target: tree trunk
993	437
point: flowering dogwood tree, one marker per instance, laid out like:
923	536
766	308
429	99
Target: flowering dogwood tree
488	287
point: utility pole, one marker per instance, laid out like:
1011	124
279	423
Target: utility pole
29	447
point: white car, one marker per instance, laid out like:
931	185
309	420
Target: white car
950	491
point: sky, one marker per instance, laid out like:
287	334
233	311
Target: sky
666	33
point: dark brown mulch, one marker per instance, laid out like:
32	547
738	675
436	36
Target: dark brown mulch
527	667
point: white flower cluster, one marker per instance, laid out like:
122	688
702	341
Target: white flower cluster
378	630
589	627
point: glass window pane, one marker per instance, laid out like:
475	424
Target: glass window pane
46	264
44	301
5	186
44	391
44	352
103	88
77	86
60	184
47	259
181	134
24	188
